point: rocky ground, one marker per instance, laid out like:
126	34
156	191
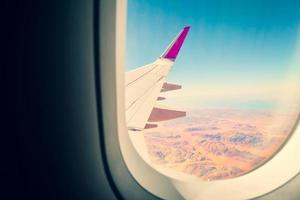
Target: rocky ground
218	143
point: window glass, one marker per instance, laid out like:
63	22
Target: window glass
239	71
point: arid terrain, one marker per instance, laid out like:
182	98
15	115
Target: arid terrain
218	143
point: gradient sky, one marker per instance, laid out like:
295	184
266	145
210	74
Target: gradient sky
237	53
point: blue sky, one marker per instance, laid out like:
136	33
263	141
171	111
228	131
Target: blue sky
244	44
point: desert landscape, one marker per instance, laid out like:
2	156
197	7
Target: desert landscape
215	144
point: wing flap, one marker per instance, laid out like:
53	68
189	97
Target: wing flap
162	114
148	126
169	87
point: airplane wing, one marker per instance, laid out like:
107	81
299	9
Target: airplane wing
144	84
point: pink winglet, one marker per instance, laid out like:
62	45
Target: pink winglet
172	51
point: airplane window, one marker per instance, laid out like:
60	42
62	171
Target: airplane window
211	87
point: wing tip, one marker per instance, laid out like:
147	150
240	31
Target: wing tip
173	49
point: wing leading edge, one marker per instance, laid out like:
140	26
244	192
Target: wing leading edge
143	86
